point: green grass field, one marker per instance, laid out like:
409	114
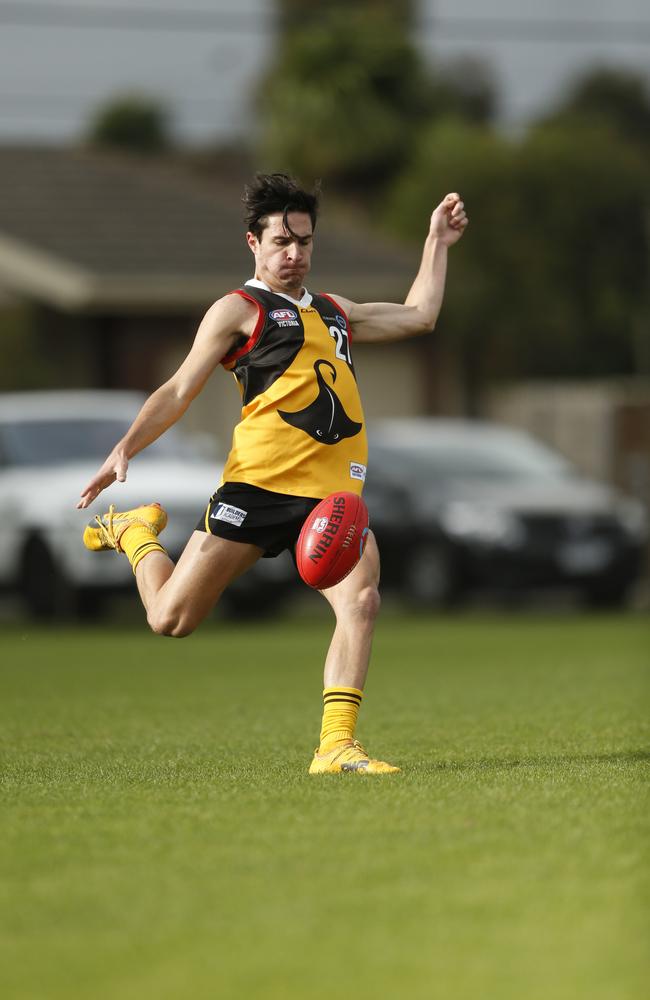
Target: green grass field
160	837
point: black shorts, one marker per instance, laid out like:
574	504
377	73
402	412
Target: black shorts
243	513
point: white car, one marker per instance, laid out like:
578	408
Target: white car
51	444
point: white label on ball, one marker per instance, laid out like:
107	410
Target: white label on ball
233	515
320	524
357	471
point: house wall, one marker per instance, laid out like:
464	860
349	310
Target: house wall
603	427
44	349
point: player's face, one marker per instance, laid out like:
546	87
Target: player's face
283	259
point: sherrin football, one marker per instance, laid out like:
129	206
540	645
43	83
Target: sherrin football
332	540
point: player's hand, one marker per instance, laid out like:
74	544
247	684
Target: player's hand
449	220
114	468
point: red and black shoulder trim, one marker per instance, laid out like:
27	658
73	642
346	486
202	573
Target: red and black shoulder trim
229	360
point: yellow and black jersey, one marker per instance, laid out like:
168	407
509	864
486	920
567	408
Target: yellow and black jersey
302	430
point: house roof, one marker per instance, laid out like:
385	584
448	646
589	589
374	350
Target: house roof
81	230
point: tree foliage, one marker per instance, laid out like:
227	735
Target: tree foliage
464	88
348	94
614	99
133	123
307	12
551	278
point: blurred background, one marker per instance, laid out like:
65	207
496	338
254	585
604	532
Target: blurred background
516	456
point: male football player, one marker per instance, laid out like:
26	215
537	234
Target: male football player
301	437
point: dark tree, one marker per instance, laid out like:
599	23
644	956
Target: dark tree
133	123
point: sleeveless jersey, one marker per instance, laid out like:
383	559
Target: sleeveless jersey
302	429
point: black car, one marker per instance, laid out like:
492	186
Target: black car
461	505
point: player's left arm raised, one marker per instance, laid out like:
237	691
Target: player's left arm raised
376	321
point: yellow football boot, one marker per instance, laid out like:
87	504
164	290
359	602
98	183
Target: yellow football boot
349	757
107	529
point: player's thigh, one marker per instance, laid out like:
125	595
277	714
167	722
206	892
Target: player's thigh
205	568
363	580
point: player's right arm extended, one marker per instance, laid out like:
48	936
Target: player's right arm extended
215	337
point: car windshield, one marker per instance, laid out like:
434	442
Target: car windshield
60	441
498	457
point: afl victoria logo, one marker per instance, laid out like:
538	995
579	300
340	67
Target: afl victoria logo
284	317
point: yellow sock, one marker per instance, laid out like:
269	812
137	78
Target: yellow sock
340	710
137	541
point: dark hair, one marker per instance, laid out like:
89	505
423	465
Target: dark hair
277	193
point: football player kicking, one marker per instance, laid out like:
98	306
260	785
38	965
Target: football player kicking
301	437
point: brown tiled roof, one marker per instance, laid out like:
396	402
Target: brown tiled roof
84	229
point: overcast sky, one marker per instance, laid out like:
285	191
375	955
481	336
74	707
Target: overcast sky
535	48
57	63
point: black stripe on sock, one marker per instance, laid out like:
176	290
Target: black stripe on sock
146	545
349	700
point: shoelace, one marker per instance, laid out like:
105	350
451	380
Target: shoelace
355	745
106	530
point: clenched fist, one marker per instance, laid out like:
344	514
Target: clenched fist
449	220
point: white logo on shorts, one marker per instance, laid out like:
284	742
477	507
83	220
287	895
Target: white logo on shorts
357	471
233	515
320	524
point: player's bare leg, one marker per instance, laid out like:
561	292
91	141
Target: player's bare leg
178	597
355	602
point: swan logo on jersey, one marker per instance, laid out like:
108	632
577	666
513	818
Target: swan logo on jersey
284	317
324	418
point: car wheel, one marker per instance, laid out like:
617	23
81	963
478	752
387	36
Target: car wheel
430	579
46	592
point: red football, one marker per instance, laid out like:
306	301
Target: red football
332	540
